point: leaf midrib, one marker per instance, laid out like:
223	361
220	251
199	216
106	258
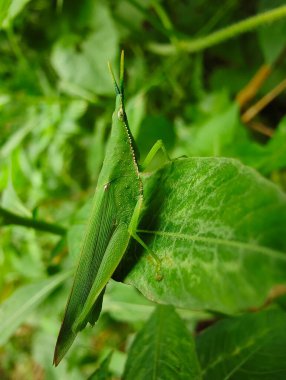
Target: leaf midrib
229	243
157	345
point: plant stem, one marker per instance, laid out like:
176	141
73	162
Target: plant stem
263	102
7	218
244	26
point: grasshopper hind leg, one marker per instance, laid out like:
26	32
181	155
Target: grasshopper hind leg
155	259
96	309
132	229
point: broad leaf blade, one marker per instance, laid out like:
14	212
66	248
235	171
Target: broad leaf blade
219	229
23	301
163	349
252	346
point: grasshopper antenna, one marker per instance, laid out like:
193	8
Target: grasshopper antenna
121	77
117	90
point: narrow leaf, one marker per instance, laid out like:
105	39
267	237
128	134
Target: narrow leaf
163	349
12	8
102	373
23	301
4	7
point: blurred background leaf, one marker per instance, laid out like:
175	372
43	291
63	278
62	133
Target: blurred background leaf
248	346
81	62
24	300
273	43
9	9
163	349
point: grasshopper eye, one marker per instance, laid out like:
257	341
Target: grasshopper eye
120	114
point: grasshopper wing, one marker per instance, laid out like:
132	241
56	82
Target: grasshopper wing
100	229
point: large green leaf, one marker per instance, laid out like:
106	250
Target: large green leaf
252	346
219	230
23	301
163	349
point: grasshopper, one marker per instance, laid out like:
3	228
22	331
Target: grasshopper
114	217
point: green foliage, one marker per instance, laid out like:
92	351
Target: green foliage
207	242
82	71
163	349
251	346
272	44
102	373
217	221
9	9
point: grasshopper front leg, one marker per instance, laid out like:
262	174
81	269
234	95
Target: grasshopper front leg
152	153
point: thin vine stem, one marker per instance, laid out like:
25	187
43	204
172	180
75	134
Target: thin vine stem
199	44
8	218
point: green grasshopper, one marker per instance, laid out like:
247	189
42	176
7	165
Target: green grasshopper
114	217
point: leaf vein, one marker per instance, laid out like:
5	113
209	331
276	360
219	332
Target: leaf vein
231	243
